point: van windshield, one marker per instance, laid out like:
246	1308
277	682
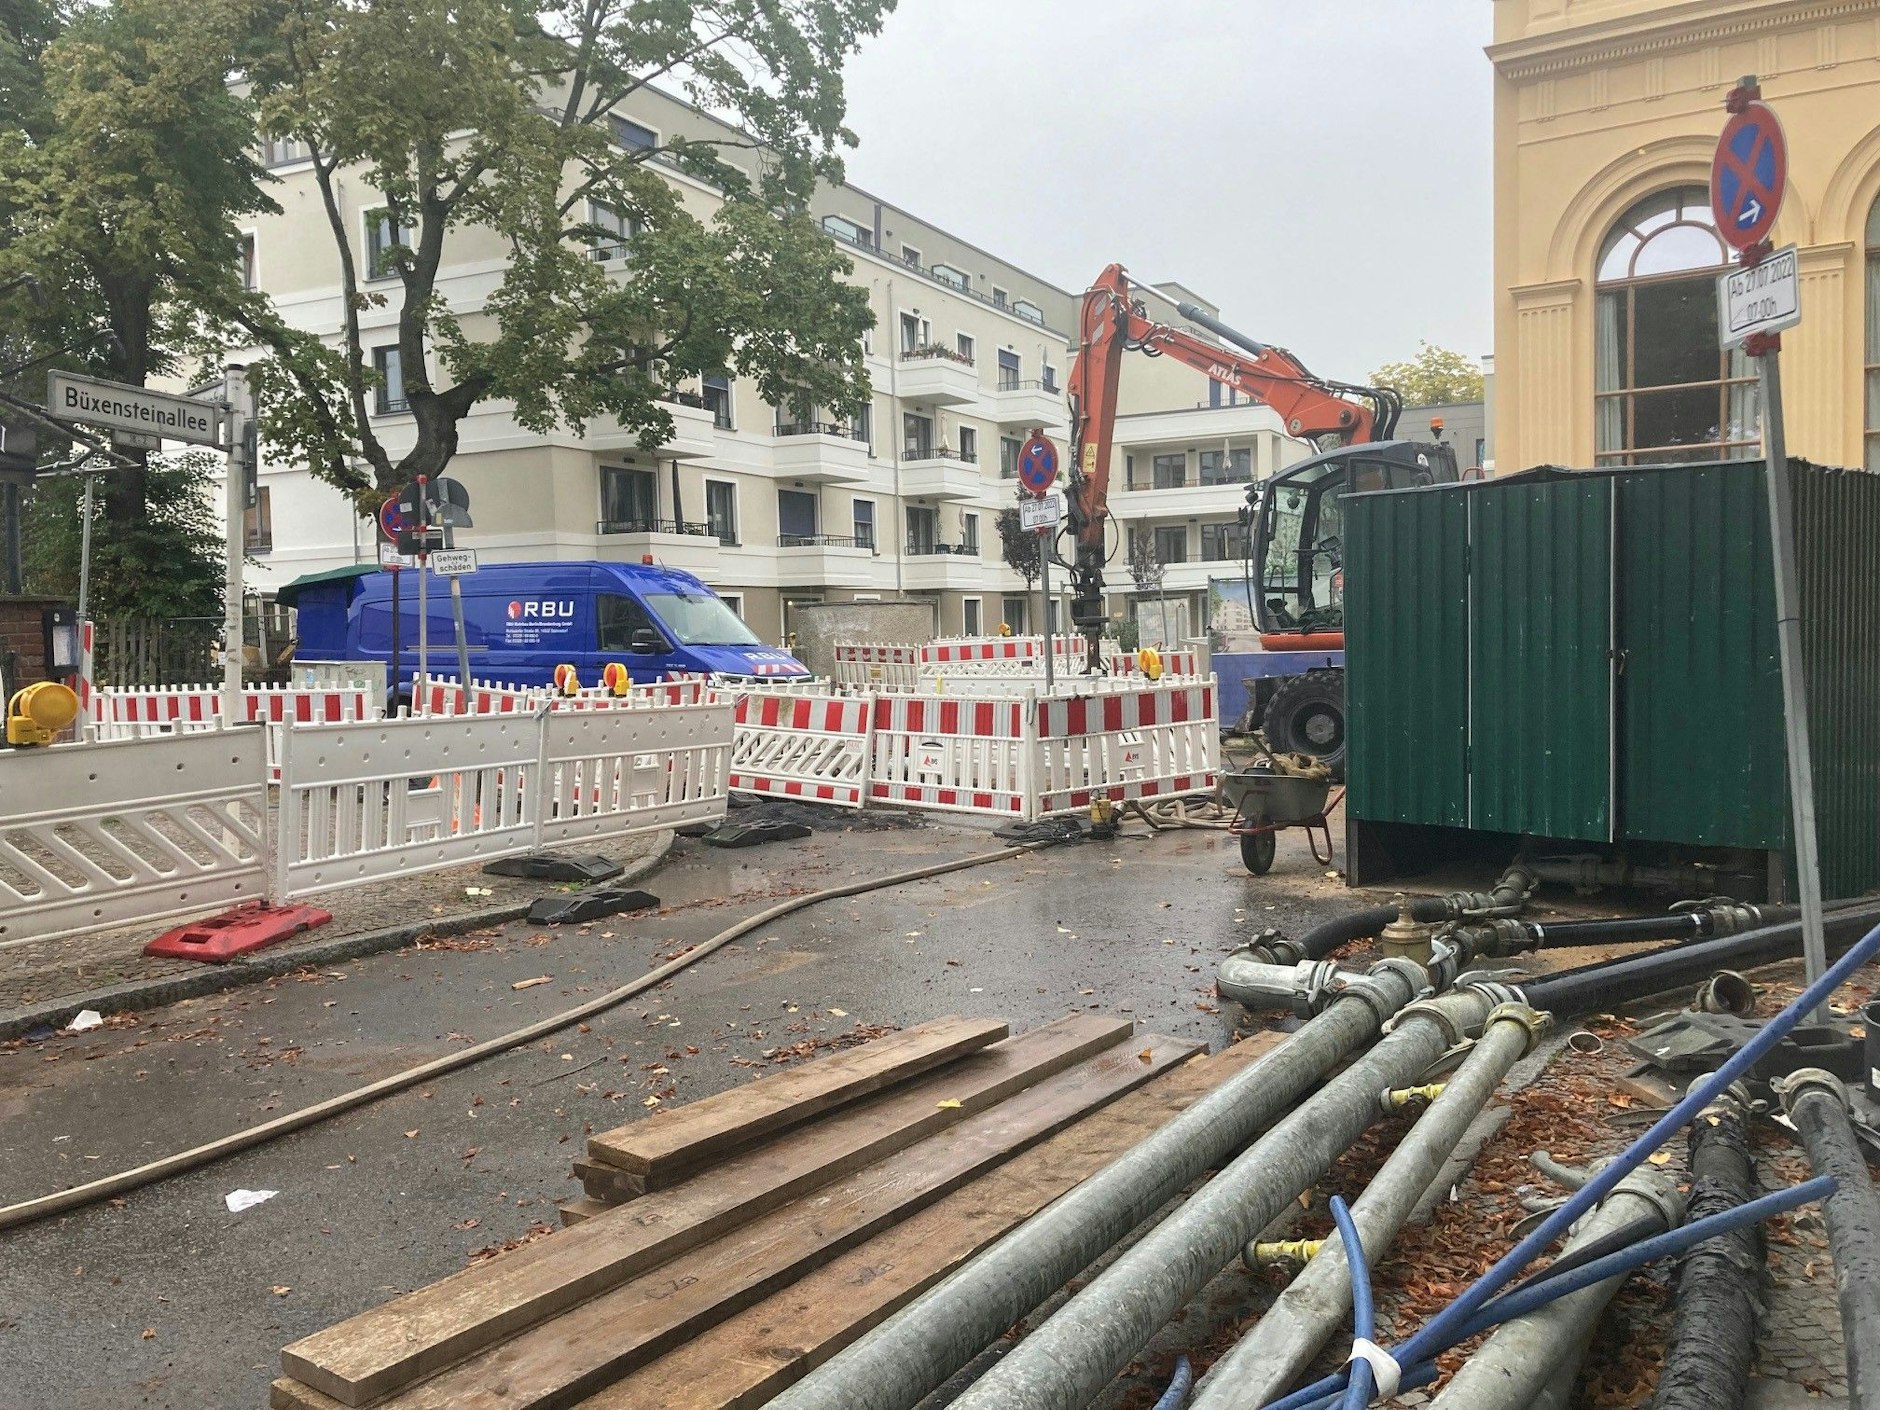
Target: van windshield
699	619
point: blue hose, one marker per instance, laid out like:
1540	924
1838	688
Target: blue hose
1363	1315
1176	1395
1545	1289
1444	1329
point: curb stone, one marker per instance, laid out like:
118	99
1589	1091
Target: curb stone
142	994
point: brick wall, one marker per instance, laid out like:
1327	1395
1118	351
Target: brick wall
23	639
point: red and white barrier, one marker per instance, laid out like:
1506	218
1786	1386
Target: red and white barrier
970	756
802	746
1154	741
870	663
140	712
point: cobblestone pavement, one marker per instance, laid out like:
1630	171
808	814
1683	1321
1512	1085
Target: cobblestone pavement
59	970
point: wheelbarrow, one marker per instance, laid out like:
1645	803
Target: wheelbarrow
1265	800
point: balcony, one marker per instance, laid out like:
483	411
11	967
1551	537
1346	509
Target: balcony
1145	498
940	474
823	560
692	430
934	567
1198	426
1022	406
689	547
936	376
818	452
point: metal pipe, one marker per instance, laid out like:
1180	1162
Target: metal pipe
1816	1103
1305	988
1514	1364
1326	936
1509	894
914	1351
1719	1292
1067	1361
1284	1341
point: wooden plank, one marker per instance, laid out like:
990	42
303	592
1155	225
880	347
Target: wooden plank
576	1210
382	1350
745	1361
586	1348
606	1183
669	1146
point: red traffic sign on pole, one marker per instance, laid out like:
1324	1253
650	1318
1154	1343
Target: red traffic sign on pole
1037	464
1748	174
391	518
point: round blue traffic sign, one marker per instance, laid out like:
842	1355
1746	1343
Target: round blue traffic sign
391	518
1037	465
1748	175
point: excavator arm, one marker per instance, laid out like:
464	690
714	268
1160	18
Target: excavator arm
1112	324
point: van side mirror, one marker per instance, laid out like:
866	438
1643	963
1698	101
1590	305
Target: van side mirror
646	642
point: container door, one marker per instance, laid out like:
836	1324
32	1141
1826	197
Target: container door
1405	563
1541	659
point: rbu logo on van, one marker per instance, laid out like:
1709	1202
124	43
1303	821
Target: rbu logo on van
541	611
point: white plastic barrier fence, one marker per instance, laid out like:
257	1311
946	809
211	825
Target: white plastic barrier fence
866	663
444	696
972	756
97	835
801	746
141	712
1148	742
359	803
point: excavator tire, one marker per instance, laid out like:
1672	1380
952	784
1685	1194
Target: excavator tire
1307	716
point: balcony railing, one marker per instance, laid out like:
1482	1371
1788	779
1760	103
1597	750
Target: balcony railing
914	451
691	399
661	526
818	428
819	541
927	351
1010	382
1004	304
922	550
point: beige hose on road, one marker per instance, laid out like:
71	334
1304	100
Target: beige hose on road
14	1215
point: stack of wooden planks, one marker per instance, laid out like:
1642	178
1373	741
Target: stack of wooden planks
726	1247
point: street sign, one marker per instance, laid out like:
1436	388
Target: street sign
390	557
1748	175
1759	298
391	518
1042	514
115	406
1037	463
454	561
446	503
136	440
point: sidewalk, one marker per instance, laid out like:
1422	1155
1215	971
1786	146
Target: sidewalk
42	984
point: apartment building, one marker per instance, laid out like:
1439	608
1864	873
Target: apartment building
776	507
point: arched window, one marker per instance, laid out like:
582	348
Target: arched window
1664	391
1871	377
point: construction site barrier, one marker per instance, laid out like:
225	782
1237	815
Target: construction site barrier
1149	742
866	663
972	756
98	835
139	712
799	745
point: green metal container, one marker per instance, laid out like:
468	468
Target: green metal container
1590	656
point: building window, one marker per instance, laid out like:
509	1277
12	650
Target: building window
1050	378
1009	447
1011	370
916	436
910	255
251	274
862	428
843	228
916	332
972	615
1872	374
969	445
1225	542
1663	391
969	534
1171	471
389	368
1481	451
1171	543
383	236
721	511
1220	394
735	601
629	500
796	518
634	136
947	274
258	524
864	523
1012	614
612	231
717	393
1000	299
923	529
1231	467
1029	311
964	343
283	151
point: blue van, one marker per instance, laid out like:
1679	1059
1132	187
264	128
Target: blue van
521	620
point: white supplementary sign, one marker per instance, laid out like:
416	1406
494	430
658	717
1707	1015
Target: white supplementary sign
1038	514
1763	298
453	562
113	406
390	557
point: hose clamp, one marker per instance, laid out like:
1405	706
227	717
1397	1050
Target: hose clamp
1454	1032
1804	1080
1444	964
1494	990
1382	1003
1315	986
1514	1011
1656	1190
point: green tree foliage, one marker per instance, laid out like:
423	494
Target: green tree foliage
168	565
1018	546
124	171
1434	376
493	121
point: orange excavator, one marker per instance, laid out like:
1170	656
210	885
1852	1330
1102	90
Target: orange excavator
1295	570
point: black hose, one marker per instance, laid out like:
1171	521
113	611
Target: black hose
1327	936
1610	984
1719	1282
1819	1110
1624	930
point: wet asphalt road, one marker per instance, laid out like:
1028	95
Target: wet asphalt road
167	1299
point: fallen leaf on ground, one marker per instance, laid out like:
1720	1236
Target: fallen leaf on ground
838	1013
531	983
950	1104
149	1332
412	1132
1147	1055
280	1290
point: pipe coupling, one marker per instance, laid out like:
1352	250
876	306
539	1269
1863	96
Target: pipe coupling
1284	1251
1455	1031
1655	1189
1399	1099
1370	987
1315	985
1726	991
1805	1080
1499	939
1493	989
1514	1011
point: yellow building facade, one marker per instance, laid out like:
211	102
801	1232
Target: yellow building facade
1606	116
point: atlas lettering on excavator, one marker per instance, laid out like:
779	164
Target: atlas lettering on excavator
1296	568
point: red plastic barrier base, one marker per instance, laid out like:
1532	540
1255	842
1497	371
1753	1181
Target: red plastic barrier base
232	934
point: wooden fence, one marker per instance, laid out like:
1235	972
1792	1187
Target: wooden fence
185	650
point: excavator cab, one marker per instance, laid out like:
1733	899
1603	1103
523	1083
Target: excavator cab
1297	538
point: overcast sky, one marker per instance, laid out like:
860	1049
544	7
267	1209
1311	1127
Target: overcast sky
1317	168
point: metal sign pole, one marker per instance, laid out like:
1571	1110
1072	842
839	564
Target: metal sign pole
1044	592
391	705
424	571
1789	639
456	611
235	515
84	547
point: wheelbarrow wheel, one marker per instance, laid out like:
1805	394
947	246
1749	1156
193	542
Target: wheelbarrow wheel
1256	851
